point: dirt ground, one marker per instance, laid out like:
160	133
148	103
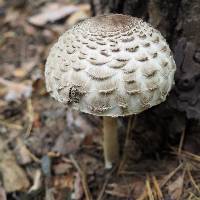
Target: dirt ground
49	152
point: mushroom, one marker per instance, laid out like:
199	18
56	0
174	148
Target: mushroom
110	66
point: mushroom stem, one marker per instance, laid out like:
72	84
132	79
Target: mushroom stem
110	141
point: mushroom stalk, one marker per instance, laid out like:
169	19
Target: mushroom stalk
110	141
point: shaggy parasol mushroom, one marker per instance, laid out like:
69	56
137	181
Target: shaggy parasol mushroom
111	65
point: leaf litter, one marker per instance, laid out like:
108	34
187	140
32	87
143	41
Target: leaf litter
50	152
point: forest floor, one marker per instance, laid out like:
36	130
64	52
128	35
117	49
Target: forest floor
48	152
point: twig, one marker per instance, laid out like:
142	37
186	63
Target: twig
83	178
187	154
192	179
148	188
163	182
30	117
37	181
182	184
103	189
157	188
169	176
181	142
100	196
124	156
193	197
21	144
11	126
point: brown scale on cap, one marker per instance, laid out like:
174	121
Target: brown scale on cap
133	88
107	87
99	104
130	78
132	49
117	64
100	73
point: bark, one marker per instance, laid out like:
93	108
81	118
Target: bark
179	22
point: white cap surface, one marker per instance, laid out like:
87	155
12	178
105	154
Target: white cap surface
111	65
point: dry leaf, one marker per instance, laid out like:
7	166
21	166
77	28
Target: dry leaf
85	7
80	123
122	191
51	13
7	69
16	91
37	182
2	194
133	189
62	168
11	171
36	120
49	194
19	73
66	143
11	15
77	17
22	152
78	189
25	68
176	188
61	182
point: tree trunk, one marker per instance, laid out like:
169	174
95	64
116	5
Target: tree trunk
179	22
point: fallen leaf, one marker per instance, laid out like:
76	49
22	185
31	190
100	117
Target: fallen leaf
52	13
62	168
122	191
77	17
2	194
78	189
25	68
67	143
11	171
7	69
175	188
80	123
22	152
2	3
11	15
61	182
15	90
37	182
49	194
19	73
39	86
29	29
85	7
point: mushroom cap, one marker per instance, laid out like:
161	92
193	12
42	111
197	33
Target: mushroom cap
110	65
